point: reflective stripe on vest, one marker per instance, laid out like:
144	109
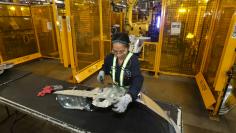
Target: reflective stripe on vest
122	69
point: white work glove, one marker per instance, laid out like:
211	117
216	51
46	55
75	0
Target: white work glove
122	104
101	76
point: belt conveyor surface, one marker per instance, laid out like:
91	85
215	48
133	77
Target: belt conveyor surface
21	94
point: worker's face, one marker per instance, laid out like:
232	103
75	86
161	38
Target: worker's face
119	50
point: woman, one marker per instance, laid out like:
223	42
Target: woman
123	67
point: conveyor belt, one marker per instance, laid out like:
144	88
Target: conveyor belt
21	94
10	76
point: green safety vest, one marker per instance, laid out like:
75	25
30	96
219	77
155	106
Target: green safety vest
122	70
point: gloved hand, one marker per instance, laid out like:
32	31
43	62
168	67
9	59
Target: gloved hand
101	76
122	104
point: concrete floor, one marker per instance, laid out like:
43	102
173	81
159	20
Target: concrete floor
171	89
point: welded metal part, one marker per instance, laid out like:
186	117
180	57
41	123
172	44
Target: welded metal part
137	43
108	96
74	102
101	97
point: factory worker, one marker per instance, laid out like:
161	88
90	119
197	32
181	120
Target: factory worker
129	77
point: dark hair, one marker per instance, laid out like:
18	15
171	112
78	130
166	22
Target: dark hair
121	37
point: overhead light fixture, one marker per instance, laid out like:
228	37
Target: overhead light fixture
182	10
12	8
190	36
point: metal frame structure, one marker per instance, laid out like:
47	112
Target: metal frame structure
213	97
26	57
226	62
80	75
211	101
59	36
64	40
158	48
56	27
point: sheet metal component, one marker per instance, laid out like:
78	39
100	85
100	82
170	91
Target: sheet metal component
136	43
76	99
146	51
108	96
73	102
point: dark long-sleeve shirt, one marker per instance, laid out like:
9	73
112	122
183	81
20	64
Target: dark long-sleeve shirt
132	74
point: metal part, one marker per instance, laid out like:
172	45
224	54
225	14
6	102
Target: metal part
5	66
105	97
101	97
229	99
137	43
73	102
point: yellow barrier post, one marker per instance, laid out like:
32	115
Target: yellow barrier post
69	36
56	23
159	45
226	62
101	31
209	39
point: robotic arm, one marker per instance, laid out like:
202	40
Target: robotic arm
128	17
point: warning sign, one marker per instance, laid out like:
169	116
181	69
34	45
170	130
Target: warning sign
175	28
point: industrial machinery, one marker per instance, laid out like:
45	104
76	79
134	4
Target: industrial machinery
142	23
142	18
